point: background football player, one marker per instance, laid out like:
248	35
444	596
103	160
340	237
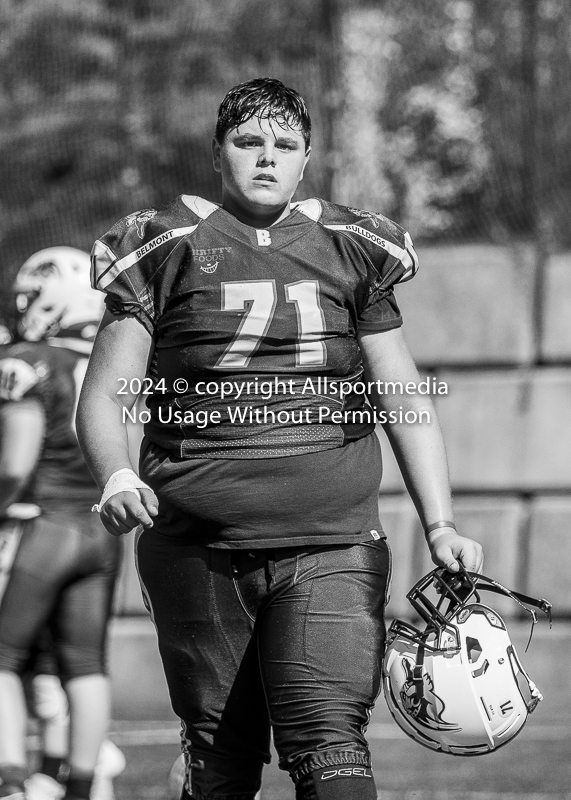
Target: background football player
262	556
60	565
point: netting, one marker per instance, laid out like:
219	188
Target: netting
450	116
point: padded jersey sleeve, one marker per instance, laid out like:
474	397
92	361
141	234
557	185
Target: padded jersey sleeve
137	261
390	258
381	315
397	264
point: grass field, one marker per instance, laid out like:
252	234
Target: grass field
536	765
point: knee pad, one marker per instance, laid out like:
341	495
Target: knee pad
338	782
49	699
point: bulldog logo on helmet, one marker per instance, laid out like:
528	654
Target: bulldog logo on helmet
425	706
139	219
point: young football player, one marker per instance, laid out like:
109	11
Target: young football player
60	564
255	328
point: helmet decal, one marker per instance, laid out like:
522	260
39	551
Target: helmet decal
422	703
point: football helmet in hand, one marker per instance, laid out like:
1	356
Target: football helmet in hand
458	686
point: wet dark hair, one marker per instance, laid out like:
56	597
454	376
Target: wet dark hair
265	98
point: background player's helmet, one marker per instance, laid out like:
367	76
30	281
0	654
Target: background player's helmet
54	297
458	686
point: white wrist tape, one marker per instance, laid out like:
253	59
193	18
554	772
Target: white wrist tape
124	480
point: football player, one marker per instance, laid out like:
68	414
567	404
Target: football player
255	328
60	564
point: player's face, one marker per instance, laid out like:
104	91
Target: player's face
261	164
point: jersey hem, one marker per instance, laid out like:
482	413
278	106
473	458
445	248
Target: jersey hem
295	541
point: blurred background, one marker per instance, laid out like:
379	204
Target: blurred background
452	117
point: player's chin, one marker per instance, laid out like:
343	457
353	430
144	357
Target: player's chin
267	201
267	191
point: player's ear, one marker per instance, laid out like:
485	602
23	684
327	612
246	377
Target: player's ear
216	154
307	152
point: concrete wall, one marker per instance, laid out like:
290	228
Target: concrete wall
469	321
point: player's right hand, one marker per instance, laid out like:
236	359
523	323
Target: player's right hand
124	511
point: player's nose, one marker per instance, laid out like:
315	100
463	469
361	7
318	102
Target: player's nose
268	156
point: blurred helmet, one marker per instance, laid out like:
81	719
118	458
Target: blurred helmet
458	686
54	297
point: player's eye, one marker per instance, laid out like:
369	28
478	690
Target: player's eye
248	143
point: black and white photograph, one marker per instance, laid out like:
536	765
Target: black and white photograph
285	400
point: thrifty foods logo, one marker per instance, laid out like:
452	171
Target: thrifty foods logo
346	772
210	257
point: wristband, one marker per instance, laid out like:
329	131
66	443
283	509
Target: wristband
443	523
124	480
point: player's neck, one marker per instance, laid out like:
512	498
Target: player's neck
255	217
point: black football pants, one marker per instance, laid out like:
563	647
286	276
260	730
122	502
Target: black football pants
291	638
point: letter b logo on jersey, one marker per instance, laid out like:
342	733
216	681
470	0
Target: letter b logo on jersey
264	238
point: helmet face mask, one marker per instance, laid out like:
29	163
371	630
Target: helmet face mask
457	686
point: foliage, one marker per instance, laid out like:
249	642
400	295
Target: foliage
109	106
451	116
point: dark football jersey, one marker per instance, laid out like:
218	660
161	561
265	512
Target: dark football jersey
256	351
61	476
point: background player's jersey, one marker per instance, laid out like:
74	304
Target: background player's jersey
61	477
235	309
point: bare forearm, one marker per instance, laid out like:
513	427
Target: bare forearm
121	354
102	435
418	446
22	428
419	449
421	456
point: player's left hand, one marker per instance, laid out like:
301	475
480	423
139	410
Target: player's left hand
449	548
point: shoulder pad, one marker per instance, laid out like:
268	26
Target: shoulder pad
312	208
199	206
138	235
376	233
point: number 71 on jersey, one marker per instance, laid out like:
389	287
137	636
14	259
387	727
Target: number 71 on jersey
259	299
